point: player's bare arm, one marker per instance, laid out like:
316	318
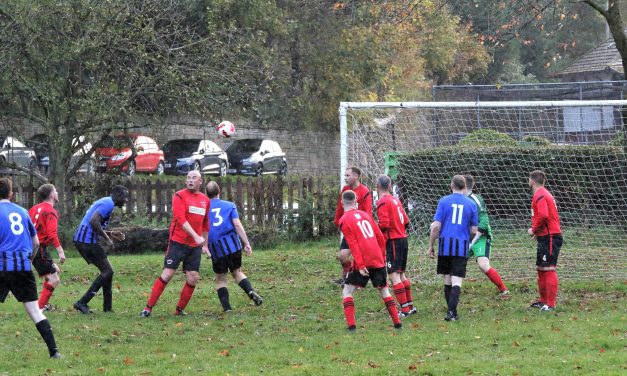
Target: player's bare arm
435	232
95	222
239	229
116	235
190	231
61	254
205	244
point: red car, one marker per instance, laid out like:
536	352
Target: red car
113	152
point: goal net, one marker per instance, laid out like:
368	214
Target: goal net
578	144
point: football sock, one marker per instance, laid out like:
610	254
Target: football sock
349	310
223	295
408	298
246	286
44	329
551	283
447	292
391	306
93	290
454	298
494	276
107	294
186	295
46	292
399	292
157	290
542	286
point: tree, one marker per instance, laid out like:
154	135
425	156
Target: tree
90	68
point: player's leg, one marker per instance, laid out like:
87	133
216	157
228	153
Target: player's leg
24	288
51	281
345	258
444	269
223	291
394	267
173	256
457	274
481	250
234	261
550	276
379	281
94	254
349	305
191	266
542	252
46	268
106	272
408	296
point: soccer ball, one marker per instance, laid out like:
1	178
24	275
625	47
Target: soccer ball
226	128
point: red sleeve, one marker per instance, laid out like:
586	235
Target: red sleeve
384	217
353	245
52	226
368	202
540	214
380	239
178	209
339	212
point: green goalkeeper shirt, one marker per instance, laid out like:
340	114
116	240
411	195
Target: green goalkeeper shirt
484	220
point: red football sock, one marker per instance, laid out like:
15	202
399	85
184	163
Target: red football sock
496	279
157	290
391	306
551	283
542	286
186	295
401	298
408	298
349	310
46	293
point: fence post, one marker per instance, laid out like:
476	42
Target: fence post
228	188
249	199
159	197
148	192
290	204
239	202
259	209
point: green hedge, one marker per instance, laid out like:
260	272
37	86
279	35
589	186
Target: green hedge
589	182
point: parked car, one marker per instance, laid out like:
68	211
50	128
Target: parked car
113	152
184	155
256	156
14	151
41	145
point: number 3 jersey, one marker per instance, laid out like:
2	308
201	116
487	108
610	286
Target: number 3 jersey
365	240
457	214
223	239
16	231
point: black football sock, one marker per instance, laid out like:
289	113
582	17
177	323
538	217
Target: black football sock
447	292
223	295
454	298
246	286
107	294
44	329
93	290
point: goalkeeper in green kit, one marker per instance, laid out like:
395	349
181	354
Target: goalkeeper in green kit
481	244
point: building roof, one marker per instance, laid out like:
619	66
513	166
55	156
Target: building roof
599	59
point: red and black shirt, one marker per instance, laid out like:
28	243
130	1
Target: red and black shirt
544	217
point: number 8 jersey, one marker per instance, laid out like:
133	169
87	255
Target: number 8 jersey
365	240
16	231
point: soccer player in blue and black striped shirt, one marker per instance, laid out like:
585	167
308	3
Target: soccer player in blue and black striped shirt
18	243
454	225
227	238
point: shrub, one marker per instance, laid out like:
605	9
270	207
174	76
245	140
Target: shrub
487	137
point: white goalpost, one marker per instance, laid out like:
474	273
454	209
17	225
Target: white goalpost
576	142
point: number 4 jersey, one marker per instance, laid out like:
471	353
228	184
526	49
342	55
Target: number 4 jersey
223	239
365	240
16	231
457	214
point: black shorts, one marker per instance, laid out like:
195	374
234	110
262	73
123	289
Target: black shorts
343	244
396	255
43	263
21	284
230	262
177	252
453	265
548	250
91	252
378	276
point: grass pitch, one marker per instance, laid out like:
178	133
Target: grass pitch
300	328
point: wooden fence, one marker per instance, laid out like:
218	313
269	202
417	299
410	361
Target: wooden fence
304	204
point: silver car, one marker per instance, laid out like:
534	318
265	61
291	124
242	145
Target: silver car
14	151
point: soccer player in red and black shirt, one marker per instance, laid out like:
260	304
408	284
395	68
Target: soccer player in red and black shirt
545	228
392	221
352	176
46	221
188	240
367	246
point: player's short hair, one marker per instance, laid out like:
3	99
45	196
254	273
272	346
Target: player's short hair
458	182
44	191
470	181
355	171
537	176
119	191
384	182
213	189
349	197
6	186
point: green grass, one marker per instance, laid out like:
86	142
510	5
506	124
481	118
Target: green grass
300	329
